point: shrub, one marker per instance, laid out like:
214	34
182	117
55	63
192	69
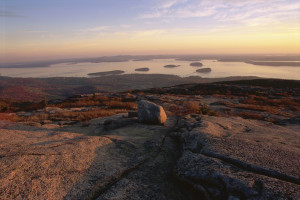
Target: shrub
191	107
173	109
83	116
121	105
250	115
206	110
9	117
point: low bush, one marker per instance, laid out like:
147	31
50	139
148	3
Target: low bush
250	115
9	117
120	105
191	107
206	110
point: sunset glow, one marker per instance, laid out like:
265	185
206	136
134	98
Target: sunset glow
36	30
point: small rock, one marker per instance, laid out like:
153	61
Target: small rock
62	123
107	122
132	114
53	110
112	124
151	113
34	124
46	122
50	126
194	115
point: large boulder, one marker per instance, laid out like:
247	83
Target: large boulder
151	113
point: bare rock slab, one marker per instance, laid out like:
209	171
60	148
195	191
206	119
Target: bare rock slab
37	163
235	158
151	113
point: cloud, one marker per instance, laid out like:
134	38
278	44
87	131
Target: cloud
9	14
34	31
177	9
226	10
92	30
194	12
162	9
169	4
249	10
98	29
120	33
148	33
126	26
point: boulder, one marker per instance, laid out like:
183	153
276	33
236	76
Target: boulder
151	113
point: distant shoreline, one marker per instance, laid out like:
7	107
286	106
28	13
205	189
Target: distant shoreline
287	60
106	73
275	64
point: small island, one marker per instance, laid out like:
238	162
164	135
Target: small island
204	70
145	69
171	66
114	72
196	64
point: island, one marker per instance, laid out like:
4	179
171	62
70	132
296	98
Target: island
196	64
204	70
145	69
171	66
114	72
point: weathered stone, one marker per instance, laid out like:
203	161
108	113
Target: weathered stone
215	158
151	113
38	163
53	110
233	158
34	124
111	124
132	114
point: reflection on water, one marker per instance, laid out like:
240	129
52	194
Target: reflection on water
219	69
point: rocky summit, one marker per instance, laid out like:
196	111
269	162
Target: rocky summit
196	157
214	144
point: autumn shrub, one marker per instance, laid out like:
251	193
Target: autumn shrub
82	116
191	107
92	114
79	103
102	98
279	102
194	107
121	105
174	109
206	110
251	115
110	102
9	117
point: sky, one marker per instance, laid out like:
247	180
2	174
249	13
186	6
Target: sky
39	29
